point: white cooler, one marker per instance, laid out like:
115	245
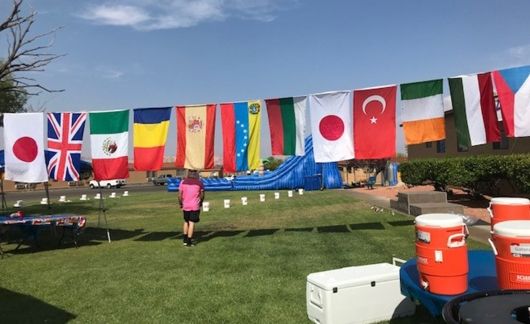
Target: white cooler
363	294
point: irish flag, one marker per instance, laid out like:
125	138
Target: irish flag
150	133
241	135
423	111
109	141
195	136
287	125
513	89
474	109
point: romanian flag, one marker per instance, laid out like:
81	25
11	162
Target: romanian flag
195	136
241	135
150	133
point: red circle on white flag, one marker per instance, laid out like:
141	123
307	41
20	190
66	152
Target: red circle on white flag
331	127
25	149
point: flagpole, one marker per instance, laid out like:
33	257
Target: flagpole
102	210
47	194
4	203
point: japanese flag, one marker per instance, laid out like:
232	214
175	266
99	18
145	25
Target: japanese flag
24	147
331	126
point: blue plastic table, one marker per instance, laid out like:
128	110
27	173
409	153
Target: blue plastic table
482	276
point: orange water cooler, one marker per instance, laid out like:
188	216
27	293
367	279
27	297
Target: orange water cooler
507	208
511	245
441	253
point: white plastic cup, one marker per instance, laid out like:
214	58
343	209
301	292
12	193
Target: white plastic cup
276	195
262	197
290	193
244	201
205	206
227	203
300	191
83	197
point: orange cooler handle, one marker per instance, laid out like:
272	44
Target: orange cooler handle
459	243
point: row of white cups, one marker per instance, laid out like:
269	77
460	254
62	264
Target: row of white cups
62	199
244	200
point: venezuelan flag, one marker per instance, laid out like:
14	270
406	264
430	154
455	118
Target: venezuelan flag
241	123
150	134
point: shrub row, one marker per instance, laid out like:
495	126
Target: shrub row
477	173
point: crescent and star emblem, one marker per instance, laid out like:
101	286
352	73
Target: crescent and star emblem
378	98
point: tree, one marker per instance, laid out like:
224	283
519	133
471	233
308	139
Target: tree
25	52
11	101
272	163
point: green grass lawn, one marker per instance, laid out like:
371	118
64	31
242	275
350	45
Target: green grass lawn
249	266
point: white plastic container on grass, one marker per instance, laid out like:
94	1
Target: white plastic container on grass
362	294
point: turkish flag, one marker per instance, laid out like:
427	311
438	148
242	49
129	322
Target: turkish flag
374	122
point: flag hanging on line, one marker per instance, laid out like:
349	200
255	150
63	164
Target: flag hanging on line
513	89
474	109
24	147
241	122
331	126
65	138
150	134
287	125
109	141
374	122
195	136
423	111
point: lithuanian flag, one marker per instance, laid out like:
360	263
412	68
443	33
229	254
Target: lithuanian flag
150	133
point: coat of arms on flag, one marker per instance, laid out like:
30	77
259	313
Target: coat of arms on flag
65	137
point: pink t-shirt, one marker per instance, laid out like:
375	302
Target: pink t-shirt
190	192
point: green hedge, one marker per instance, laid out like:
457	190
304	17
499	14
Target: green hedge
477	173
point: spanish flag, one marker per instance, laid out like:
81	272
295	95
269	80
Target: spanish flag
150	133
195	136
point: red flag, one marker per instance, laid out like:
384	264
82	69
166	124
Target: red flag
374	122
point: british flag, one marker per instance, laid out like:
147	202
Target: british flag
65	136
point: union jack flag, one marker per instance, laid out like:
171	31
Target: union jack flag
65	136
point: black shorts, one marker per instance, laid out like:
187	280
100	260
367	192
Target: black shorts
191	216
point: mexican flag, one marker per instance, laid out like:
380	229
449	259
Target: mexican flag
109	141
287	125
423	111
474	109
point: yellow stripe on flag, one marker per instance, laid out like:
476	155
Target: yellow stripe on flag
150	135
421	131
254	121
195	137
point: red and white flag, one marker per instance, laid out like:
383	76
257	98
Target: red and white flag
331	126
24	147
374	122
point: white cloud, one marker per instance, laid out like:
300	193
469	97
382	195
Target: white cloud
168	14
520	52
513	56
109	73
118	15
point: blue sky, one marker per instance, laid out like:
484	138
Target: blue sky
149	53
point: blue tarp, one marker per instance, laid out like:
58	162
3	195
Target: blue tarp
296	172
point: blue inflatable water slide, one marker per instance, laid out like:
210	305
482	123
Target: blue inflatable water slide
294	173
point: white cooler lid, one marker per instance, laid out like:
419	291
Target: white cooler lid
439	220
509	201
514	228
354	276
